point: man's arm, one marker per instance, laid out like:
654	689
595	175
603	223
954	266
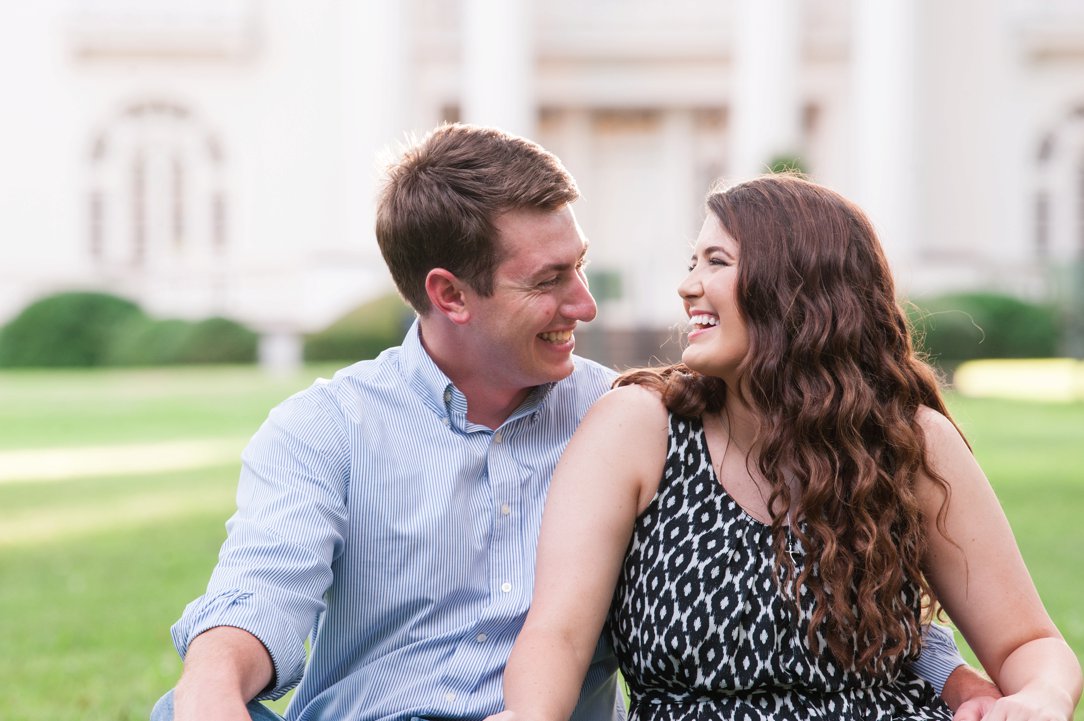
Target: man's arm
969	694
246	635
224	669
942	665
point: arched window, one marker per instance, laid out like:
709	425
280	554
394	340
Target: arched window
157	195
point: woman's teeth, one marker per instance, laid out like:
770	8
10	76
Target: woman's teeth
703	321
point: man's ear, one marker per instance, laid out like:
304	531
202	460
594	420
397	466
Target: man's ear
447	294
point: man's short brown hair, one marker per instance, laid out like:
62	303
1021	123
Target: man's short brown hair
442	197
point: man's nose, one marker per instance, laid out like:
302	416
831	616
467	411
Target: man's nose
580	304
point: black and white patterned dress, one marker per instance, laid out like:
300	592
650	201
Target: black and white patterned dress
702	631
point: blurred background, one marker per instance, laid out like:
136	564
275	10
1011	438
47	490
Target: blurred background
186	203
219	158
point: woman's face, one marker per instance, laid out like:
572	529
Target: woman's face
718	339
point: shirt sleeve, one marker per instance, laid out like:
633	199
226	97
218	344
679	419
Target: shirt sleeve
275	563
940	656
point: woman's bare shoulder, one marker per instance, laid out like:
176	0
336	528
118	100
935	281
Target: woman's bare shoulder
632	400
625	419
940	432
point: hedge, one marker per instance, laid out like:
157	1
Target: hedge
172	341
96	329
68	329
964	326
362	333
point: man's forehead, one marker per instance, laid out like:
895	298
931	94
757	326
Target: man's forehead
527	229
528	253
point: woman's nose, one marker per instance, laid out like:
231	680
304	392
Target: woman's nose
690	287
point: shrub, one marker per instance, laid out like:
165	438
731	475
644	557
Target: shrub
218	340
172	341
148	342
66	329
362	333
789	164
964	326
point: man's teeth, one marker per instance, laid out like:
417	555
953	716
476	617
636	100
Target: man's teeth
703	321
556	336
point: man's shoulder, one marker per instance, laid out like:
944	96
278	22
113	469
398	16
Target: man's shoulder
588	379
348	384
589	365
370	370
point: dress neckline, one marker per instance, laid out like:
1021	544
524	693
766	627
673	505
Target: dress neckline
717	483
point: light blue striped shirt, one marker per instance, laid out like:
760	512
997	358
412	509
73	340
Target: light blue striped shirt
375	518
374	515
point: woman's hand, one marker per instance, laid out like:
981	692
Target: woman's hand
974	709
502	716
509	716
1047	704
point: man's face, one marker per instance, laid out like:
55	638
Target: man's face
524	330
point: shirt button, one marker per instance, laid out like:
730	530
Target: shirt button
506	586
481	638
445	421
450	696
497	437
505	509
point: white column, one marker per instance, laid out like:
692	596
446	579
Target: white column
884	166
373	110
678	214
374	91
498	65
766	106
571	139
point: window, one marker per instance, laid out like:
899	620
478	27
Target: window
157	191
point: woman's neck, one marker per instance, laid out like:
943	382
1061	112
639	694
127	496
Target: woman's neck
741	423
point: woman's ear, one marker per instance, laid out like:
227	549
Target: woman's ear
447	294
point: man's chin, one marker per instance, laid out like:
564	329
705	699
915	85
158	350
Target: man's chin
557	372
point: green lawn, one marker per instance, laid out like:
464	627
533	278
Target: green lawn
96	567
1034	456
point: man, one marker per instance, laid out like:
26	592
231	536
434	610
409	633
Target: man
391	512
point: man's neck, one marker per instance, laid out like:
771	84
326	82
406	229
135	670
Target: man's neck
487	404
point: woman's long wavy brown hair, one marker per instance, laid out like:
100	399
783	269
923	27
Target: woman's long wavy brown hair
832	371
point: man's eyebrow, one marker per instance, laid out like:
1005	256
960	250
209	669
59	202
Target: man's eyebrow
561	267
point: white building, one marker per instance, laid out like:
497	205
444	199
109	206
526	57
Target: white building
220	156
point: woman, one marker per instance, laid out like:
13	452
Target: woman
766	525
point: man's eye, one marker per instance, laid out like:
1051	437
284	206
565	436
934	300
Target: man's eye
550	282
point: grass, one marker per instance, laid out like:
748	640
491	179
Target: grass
69	408
1033	454
95	568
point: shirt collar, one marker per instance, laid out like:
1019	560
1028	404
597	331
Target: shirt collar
439	393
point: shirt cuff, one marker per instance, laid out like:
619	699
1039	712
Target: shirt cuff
940	656
240	609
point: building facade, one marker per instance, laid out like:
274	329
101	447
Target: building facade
221	156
